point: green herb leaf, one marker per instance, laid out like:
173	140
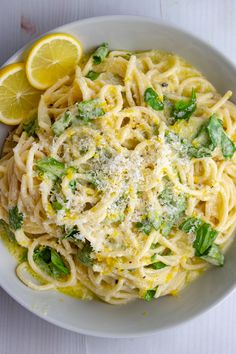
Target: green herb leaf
205	236
145	226
154	245
5	229
166	197
209	134
148	223
15	218
50	167
176	206
214	129
50	262
30	127
72	233
157	265
185	148
100	53
57	205
214	256
204	242
73	185
84	254
198	153
58	262
227	146
184	109
92	75
152	99
95	180
62	123
212	134
89	110
191	225
149	295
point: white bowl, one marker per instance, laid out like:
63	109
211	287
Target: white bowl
139	317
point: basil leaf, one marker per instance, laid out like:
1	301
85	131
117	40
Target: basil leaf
148	223
62	123
50	262
72	234
92	75
58	262
50	167
149	295
184	109
95	180
198	153
144	226
204	242
73	185
152	99
212	134
157	265
57	205
100	53
166	197
5	229
84	254
185	148
191	225
89	110
214	128
205	236
15	218
30	127
227	146
214	256
175	205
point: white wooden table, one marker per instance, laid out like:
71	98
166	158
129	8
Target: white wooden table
20	331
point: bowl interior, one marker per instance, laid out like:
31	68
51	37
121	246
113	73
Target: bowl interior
137	318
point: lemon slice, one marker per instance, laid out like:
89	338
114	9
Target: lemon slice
17	98
51	58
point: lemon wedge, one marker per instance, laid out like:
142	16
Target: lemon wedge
51	58
17	98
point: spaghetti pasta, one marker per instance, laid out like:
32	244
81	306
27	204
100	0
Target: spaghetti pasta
106	180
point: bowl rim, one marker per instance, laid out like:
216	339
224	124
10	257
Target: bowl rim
203	43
